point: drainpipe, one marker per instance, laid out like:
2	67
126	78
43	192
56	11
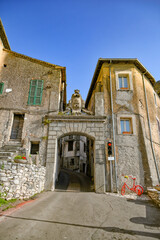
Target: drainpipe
149	125
113	131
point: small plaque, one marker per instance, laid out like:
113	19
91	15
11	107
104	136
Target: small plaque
110	158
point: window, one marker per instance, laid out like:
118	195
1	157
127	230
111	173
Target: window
1	87
70	146
35	92
123	82
126	127
84	147
158	123
77	145
72	161
34	147
155	99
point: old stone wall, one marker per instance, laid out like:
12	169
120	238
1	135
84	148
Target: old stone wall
16	73
16	76
21	180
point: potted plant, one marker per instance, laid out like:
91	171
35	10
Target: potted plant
157	187
20	159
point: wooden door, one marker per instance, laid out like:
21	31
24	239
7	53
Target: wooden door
17	127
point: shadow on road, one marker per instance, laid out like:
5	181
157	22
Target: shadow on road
69	180
152	218
107	229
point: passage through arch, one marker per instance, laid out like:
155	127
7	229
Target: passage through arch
75	163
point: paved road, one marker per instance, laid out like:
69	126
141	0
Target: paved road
73	181
82	216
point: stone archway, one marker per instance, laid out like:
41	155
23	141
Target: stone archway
91	126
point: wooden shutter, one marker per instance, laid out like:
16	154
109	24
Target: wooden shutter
1	87
35	92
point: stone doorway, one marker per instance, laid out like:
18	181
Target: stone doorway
16	133
75	163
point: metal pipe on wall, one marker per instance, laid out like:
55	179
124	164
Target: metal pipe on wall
113	127
149	125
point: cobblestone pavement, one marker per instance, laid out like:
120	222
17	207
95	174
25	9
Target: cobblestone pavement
83	216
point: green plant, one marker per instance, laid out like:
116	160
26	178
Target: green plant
2	166
3	201
60	113
19	157
45	137
46	121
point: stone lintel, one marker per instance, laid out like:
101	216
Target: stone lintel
81	118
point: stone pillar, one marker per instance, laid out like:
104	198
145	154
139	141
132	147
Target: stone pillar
100	179
99	104
51	160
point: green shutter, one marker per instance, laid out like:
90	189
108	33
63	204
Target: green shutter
1	87
35	92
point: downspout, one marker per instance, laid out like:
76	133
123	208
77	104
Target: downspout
149	125
113	126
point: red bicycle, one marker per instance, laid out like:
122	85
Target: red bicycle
138	189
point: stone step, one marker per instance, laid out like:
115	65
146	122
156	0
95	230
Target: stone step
6	154
4	158
7	151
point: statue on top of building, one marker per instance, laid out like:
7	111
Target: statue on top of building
76	105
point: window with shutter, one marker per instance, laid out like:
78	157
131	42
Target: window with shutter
1	87
35	92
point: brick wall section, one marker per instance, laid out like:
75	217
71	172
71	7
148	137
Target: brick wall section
21	180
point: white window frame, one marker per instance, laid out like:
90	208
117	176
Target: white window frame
124	120
127	74
132	121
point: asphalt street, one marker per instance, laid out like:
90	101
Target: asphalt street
82	216
73	181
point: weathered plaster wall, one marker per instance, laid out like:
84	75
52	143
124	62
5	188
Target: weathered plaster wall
133	152
16	76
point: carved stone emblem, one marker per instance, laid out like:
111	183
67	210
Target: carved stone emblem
77	105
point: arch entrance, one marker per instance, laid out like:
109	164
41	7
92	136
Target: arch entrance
75	163
77	122
93	128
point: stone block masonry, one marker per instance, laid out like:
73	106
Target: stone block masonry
21	180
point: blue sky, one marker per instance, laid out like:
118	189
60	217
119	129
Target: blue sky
76	33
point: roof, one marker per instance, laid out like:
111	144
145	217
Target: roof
112	61
4	37
33	59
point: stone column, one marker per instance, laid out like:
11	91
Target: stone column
99	104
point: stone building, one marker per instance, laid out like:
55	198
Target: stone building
122	107
74	153
29	89
132	110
